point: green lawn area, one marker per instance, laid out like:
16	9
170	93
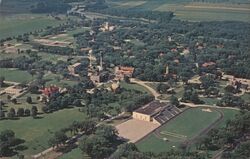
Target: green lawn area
131	86
15	75
246	97
188	124
12	25
37	131
228	114
51	80
75	153
209	101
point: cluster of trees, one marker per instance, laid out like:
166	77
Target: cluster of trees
233	139
59	138
229	100
47	6
101	143
103	101
61	50
162	88
130	151
8	143
135	13
191	95
20	112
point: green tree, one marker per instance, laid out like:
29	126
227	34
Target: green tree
29	100
162	88
34	111
2	114
58	139
27	112
2	81
95	146
11	113
20	112
174	101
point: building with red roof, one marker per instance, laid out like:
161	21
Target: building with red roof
48	91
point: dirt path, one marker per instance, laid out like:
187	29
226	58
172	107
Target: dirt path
142	83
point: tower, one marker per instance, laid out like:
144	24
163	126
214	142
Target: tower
101	63
167	69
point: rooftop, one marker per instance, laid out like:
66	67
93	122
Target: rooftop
151	108
76	64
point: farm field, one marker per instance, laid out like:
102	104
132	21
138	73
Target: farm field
13	25
188	10
36	132
16	75
183	127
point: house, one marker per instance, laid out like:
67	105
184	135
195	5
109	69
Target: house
73	68
121	72
95	78
156	112
115	86
208	64
16	89
107	27
48	91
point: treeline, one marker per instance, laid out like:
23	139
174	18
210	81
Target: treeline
233	139
54	49
48	6
133	13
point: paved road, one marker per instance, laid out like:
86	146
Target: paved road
143	83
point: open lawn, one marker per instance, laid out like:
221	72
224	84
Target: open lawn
13	25
210	101
131	86
15	75
75	153
52	79
188	10
185	126
36	132
246	97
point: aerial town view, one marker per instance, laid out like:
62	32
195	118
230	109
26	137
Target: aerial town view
124	79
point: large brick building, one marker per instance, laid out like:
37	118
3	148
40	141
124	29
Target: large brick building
121	72
156	112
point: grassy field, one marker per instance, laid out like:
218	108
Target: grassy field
15	75
185	126
51	80
37	131
246	97
131	86
75	153
13	25
187	10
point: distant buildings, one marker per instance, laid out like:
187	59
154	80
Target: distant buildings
14	90
107	27
121	72
48	91
95	78
208	64
73	69
156	112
